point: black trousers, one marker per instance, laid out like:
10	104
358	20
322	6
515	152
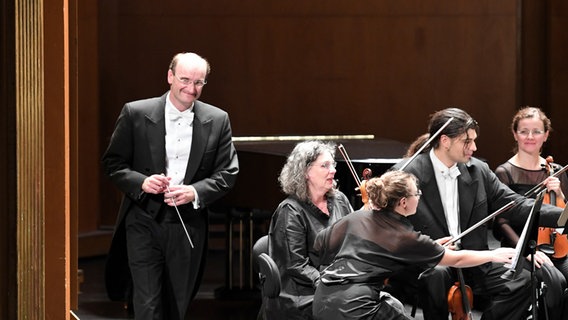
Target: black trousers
165	269
507	299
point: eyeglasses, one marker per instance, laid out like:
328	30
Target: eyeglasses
326	165
417	194
186	81
526	133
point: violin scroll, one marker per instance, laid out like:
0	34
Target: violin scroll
367	173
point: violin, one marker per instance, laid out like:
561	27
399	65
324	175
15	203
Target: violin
361	184
366	175
550	197
549	240
460	299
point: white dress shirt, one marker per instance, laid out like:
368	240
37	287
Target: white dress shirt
447	179
179	136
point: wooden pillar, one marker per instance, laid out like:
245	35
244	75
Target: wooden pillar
30	146
44	277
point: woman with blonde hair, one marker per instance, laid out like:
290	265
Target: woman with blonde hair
531	128
368	246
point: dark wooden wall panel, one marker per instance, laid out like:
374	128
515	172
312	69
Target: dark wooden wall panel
557	76
88	146
8	164
336	67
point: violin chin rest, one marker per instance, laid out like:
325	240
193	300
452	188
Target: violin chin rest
546	249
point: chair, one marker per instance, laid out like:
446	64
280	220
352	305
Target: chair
268	273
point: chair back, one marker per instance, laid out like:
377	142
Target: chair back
268	273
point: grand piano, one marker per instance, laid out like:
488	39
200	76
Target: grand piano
261	161
248	207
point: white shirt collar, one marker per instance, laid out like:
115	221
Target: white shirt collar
442	169
171	108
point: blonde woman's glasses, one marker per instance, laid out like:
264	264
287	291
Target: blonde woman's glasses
526	133
417	194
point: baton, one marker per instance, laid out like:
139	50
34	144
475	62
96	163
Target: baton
180	219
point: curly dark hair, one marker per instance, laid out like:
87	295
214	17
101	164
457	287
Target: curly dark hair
461	123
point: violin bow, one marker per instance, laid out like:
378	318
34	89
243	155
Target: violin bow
343	152
539	187
426	143
475	226
360	184
484	220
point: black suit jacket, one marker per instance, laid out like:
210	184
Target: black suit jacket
480	194
137	150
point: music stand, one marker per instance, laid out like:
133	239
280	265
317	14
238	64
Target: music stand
525	246
563	218
530	232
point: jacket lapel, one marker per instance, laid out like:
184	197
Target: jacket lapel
431	197
466	190
156	132
201	130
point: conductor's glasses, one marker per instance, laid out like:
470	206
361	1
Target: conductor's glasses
186	81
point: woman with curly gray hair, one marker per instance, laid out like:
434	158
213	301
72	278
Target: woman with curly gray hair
312	204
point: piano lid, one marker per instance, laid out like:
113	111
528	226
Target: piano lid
361	148
261	160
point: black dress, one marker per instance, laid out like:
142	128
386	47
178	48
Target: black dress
521	181
293	229
366	248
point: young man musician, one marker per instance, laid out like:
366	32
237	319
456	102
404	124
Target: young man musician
459	191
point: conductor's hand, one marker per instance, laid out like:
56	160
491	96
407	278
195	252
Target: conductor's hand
178	195
540	259
156	184
503	255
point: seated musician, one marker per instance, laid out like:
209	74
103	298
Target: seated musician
459	191
313	203
522	172
368	246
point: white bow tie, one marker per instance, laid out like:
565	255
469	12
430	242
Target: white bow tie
451	173
175	115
